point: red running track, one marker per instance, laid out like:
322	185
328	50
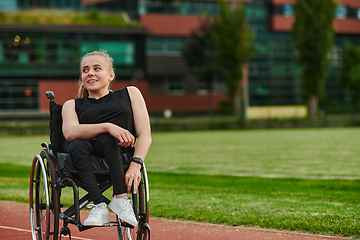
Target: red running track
15	224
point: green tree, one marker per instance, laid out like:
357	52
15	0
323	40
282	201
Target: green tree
233	42
199	53
313	35
349	75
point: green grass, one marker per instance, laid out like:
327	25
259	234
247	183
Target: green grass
315	206
285	153
306	180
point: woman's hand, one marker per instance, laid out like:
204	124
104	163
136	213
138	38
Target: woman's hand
133	174
125	137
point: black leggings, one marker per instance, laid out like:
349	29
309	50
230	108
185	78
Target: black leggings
105	146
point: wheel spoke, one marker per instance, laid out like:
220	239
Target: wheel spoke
42	206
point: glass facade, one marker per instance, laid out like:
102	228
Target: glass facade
274	76
121	52
27	57
49	54
179	7
62	4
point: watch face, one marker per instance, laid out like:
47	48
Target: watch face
138	160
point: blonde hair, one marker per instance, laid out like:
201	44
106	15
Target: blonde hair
83	92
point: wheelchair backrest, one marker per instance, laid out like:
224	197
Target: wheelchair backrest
56	136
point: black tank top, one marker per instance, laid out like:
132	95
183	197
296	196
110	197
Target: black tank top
115	107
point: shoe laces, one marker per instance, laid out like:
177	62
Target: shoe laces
128	205
95	208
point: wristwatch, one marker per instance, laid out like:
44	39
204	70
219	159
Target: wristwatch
138	160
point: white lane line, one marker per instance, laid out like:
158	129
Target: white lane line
29	231
17	229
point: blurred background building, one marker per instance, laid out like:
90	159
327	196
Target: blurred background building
35	58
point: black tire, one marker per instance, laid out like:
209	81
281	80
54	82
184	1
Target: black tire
44	208
143	230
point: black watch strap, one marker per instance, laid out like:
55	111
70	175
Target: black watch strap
138	160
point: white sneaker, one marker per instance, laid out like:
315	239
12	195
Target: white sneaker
98	216
123	208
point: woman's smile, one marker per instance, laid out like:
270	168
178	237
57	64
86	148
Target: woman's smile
92	81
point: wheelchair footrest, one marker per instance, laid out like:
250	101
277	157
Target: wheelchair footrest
109	224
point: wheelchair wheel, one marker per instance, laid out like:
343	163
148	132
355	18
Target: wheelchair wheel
44	198
141	199
125	231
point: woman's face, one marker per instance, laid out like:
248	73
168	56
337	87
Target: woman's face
96	74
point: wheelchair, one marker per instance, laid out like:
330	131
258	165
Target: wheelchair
51	171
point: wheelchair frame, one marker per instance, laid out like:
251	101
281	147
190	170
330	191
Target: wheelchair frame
49	175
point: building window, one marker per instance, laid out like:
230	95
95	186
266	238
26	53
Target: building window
218	86
358	14
165	45
167	84
63	4
142	7
160	6
122	53
18	94
288	10
341	12
254	30
8	5
253	69
1	52
179	7
336	56
198	8
174	85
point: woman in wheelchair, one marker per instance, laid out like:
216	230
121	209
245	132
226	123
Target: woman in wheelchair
107	124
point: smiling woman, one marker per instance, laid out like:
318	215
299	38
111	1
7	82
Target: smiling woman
106	124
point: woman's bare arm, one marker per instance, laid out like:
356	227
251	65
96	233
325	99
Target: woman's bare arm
143	131
142	123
